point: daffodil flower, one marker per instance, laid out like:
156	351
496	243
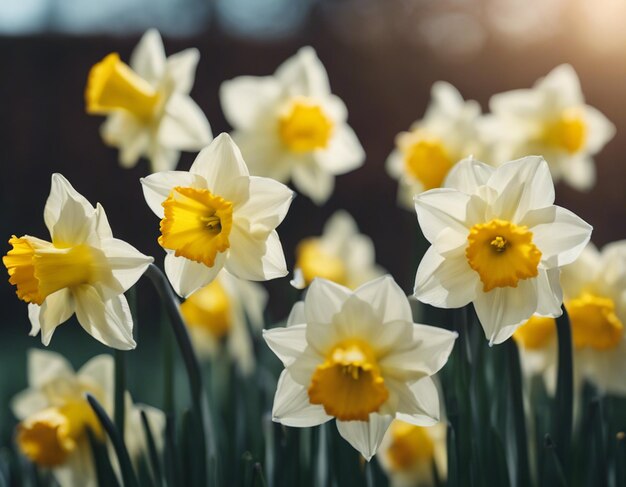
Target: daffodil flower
497	241
150	112
217	313
408	454
218	216
341	254
289	125
84	270
358	357
553	120
54	416
448	133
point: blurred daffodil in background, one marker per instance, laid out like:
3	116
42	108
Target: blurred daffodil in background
218	216
217	315
358	357
150	112
84	270
553	120
341	254
448	133
55	416
498	241
410	453
290	126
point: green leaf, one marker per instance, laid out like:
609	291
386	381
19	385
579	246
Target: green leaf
564	399
120	390
153	455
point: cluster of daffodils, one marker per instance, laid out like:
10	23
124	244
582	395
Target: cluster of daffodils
56	419
551	120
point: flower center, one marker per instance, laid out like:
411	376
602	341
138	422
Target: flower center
209	308
348	384
410	446
112	85
568	131
502	253
49	436
594	322
40	271
304	126
427	160
536	333
196	224
313	261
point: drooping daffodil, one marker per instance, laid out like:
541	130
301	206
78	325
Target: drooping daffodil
497	241
150	112
218	216
357	356
217	314
290	126
54	416
553	120
83	270
448	133
341	254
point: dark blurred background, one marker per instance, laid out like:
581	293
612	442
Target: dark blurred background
382	57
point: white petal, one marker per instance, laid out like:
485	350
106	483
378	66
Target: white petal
550	295
296	315
606	369
343	154
44	366
28	402
133	143
264	154
467	175
562	240
287	343
125	262
313	181
580	173
324	299
67	213
445	282
102	223
184	125
253	298
563	82
523	103
267	204
599	130
55	310
255	258
99	372
148	58
181	69
439	209
503	309
78	469
247	99
157	187
187	276
424	354
522	185
427	399
304	74
108	322
365	436
33	317
292	406
220	164
387	299
163	158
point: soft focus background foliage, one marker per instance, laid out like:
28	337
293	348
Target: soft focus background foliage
382	57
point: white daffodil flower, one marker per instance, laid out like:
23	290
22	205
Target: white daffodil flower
357	357
447	133
289	125
150	112
498	241
408	454
341	254
218	216
553	120
595	298
54	416
84	270
219	312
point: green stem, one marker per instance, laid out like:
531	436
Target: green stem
519	418
120	388
564	402
192	366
